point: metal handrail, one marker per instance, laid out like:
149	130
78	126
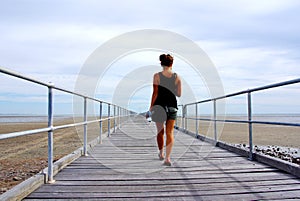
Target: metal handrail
249	103
247	121
40	130
121	112
294	81
17	75
22	133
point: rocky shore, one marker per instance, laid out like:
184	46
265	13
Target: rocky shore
289	154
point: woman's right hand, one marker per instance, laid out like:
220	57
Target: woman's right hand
148	114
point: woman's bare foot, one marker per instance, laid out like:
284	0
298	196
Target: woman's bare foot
167	163
161	155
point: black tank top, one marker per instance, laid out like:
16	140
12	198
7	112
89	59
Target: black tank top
166	91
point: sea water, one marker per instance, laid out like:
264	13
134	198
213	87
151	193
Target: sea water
4	118
286	118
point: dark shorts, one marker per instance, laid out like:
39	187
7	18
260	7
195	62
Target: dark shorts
161	114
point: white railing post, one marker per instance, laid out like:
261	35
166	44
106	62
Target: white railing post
185	119
215	121
100	116
85	127
182	116
250	126
114	118
119	117
108	120
50	135
197	131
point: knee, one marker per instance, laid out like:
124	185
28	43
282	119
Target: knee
160	131
170	135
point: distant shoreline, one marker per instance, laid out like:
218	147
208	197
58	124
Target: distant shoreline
28	119
31	118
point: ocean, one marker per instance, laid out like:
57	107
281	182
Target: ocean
286	118
28	118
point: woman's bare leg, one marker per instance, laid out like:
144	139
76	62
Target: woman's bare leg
160	138
170	139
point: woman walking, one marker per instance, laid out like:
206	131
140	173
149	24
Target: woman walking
166	86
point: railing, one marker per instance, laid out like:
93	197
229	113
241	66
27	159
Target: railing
117	113
250	122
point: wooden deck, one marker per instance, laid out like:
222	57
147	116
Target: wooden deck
126	166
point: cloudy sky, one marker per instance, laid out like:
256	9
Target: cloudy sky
251	43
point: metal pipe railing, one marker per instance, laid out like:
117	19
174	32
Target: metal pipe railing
197	131
85	127
100	123
215	120
50	135
52	128
250	122
249	103
114	119
108	121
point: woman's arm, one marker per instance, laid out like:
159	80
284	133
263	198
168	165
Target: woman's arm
178	86
155	90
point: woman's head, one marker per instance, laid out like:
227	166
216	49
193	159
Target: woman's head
166	60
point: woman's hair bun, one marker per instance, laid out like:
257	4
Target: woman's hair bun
162	57
166	60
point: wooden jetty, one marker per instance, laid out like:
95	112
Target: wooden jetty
126	167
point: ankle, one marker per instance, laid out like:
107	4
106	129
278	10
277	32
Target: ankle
167	160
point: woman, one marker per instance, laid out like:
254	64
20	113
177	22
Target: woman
166	86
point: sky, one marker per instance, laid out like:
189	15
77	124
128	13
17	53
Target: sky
251	44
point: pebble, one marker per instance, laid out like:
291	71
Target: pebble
17	178
296	160
34	171
4	189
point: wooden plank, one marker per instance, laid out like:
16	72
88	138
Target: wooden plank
177	190
161	183
59	188
250	192
161	177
